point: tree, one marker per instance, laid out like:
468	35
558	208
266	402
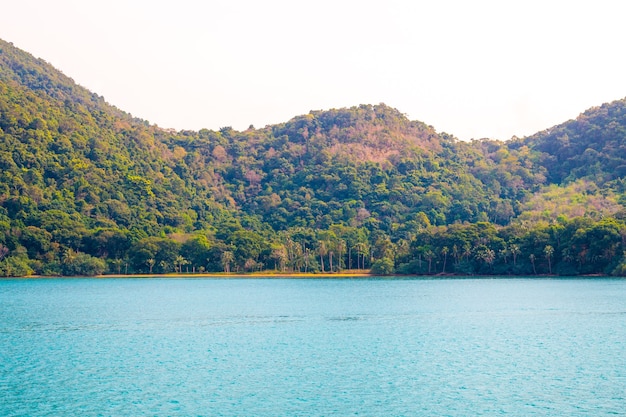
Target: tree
150	262
515	251
83	264
485	254
38	242
331	252
179	262
69	257
383	266
489	257
429	255
548	252
341	247
467	250
227	259
444	252
323	250
196	250
162	249
247	245
504	254
532	261
279	254
117	263
455	254
15	266
250	265
107	243
361	250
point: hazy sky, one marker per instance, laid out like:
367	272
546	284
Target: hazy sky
470	68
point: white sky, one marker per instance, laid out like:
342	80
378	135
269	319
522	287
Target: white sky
474	69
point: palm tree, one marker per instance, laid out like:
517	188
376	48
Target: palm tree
330	259
150	262
323	250
549	251
227	259
489	257
69	256
455	254
341	246
179	262
515	250
279	254
402	250
360	250
118	264
349	257
429	255
444	252
250	265
532	261
467	251
485	254
504	254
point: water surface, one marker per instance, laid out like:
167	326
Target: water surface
327	347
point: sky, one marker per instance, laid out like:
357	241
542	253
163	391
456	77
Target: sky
474	69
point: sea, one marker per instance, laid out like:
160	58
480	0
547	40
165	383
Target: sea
313	347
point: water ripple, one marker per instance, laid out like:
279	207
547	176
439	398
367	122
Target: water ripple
312	348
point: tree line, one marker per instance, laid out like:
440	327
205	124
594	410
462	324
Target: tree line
576	246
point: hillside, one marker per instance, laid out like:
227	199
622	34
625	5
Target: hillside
63	148
86	188
366	164
591	147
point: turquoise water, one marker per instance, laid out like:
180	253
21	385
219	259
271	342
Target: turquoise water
288	347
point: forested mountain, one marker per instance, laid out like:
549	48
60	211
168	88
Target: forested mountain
591	147
86	188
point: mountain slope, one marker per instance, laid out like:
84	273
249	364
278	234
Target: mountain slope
591	147
86	188
64	148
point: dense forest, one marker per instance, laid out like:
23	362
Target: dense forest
88	189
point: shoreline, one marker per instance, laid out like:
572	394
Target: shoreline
302	275
242	275
216	275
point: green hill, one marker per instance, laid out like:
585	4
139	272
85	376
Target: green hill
63	148
591	147
86	188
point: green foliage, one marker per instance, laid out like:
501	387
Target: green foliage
153	254
577	246
196	251
82	264
591	147
15	266
383	266
86	189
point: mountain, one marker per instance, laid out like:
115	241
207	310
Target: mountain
591	147
338	166
64	148
86	188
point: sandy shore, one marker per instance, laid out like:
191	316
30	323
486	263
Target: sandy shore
221	275
244	275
